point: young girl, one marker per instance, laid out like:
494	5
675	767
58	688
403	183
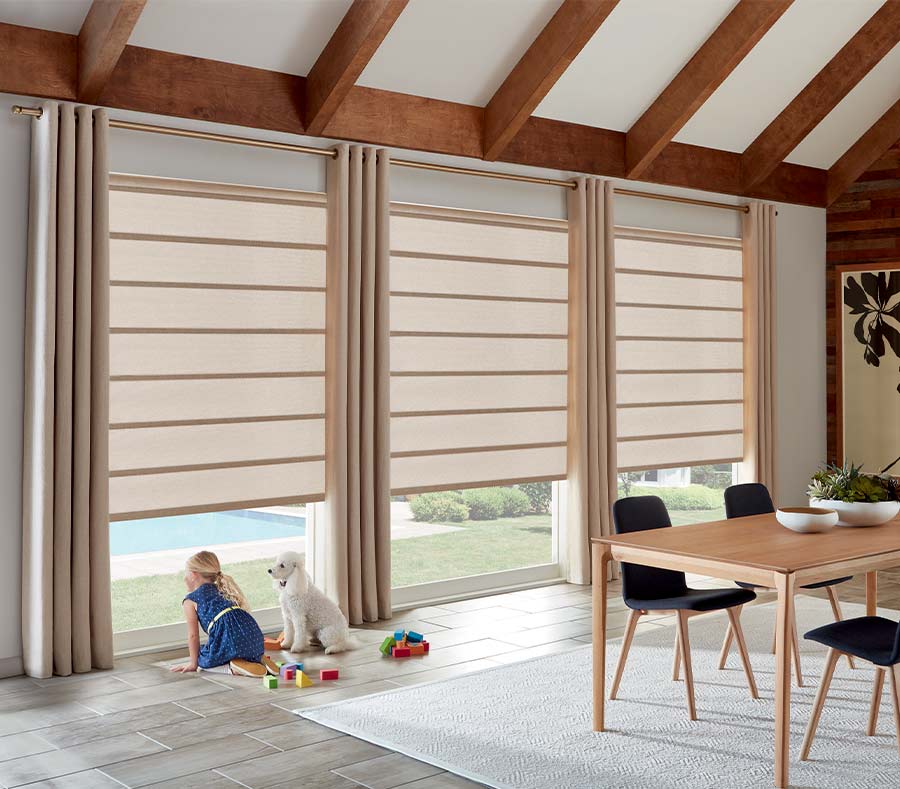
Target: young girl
215	602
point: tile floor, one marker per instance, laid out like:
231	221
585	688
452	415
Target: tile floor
141	725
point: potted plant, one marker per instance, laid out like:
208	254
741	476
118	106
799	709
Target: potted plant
860	499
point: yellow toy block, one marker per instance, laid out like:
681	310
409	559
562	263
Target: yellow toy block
302	681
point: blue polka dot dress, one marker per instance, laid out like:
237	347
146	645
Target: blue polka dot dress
233	636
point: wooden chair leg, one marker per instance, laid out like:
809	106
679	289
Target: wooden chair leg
838	615
877	689
676	661
824	684
796	652
726	645
686	661
623	655
894	671
734	618
774	636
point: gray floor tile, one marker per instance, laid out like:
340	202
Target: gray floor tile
188	760
208	779
443	781
147	697
43	716
481	616
40	767
548	633
294	735
387	772
215	727
14	746
324	780
87	779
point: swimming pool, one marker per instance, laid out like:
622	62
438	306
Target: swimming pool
208	528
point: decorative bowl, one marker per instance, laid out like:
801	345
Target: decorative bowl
860	513
807	520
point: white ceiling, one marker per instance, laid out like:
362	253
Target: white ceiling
461	50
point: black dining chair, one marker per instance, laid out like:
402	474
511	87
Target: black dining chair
653	589
752	498
870	638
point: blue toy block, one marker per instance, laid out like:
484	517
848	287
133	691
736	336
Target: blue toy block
398	635
414	638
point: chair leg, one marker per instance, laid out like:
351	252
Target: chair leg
676	661
796	652
686	661
774	636
824	684
894	671
734	618
726	644
877	690
838	615
623	655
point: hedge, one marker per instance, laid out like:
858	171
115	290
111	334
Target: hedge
439	506
691	497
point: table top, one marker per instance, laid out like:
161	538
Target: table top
760	541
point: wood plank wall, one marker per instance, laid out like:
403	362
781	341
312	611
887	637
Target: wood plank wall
863	227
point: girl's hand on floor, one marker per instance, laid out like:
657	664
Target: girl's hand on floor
184	668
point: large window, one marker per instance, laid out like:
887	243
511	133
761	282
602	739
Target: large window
478	391
680	362
217	321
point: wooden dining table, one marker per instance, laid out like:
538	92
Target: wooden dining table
757	550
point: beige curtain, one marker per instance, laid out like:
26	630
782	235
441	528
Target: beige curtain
66	616
592	373
759	345
356	538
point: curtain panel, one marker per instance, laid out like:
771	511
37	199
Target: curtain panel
356	538
592	373
66	612
759	345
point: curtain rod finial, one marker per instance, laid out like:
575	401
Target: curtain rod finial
34	112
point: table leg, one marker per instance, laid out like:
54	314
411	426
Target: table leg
784	584
871	592
599	578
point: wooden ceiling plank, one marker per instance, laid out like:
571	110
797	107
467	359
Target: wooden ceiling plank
38	62
101	41
716	58
842	73
538	70
346	54
867	150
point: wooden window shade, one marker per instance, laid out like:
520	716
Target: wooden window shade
679	346
478	348
217	367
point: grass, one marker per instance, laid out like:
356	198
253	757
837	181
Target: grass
478	547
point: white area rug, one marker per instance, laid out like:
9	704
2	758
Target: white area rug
528	725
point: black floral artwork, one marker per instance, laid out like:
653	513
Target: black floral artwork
876	299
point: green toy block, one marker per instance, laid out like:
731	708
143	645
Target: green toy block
386	645
270	683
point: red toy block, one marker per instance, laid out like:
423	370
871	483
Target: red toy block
401	652
427	647
328	673
290	674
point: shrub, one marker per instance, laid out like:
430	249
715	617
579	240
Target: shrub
515	502
540	494
691	497
485	504
439	506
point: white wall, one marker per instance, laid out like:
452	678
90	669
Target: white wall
801	271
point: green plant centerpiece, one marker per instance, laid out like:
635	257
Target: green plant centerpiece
860	499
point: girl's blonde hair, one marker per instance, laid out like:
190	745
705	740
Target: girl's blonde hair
206	564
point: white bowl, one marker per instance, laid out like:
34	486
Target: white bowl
860	513
807	520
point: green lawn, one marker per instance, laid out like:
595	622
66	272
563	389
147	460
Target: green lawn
685	517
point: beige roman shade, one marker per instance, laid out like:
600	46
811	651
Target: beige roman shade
478	348
217	321
679	349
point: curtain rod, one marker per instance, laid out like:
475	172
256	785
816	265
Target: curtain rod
37	112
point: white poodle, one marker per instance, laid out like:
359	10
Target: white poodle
306	610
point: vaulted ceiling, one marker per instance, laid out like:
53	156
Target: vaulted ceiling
773	98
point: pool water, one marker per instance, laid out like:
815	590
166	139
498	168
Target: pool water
208	528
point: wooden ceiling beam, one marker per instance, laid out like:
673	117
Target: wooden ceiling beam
101	41
867	150
346	54
165	83
842	73
717	57
538	70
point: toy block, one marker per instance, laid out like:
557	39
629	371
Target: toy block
427	646
328	673
271	643
415	638
279	663
416	649
284	667
386	645
400	652
302	681
270	683
398	635
289	674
